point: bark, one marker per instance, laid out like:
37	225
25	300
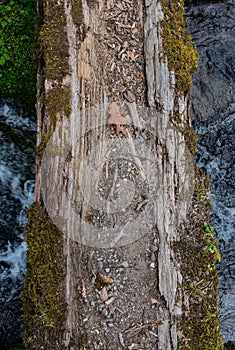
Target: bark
125	283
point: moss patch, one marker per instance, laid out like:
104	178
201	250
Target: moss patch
42	299
181	54
198	254
58	103
53	41
17	71
76	12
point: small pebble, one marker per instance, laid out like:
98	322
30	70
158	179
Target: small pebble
100	265
152	265
100	307
107	270
110	324
155	241
125	263
153	257
105	312
154	248
116	227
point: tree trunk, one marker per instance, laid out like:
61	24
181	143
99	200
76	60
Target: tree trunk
118	255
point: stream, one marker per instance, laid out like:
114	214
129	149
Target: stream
212	26
17	140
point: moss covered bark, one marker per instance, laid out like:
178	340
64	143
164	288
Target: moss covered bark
198	254
43	306
181	54
44	309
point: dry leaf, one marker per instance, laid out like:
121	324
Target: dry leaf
116	118
120	128
115	115
101	281
131	55
108	280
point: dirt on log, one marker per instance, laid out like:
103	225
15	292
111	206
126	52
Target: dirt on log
119	242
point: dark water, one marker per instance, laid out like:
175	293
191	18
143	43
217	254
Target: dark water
212	26
17	144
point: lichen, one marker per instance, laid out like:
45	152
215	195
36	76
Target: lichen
43	308
182	56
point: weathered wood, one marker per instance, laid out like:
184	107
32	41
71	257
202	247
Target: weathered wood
119	201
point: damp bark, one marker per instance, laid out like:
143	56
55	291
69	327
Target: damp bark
131	273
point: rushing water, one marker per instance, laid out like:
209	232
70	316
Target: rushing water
212	25
17	140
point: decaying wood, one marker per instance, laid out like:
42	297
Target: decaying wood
106	65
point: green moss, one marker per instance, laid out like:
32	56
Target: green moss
19	346
53	65
76	12
42	146
17	71
58	103
43	309
199	324
53	41
181	54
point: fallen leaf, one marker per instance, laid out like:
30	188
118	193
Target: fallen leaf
116	118
115	115
131	55
101	281
120	128
108	280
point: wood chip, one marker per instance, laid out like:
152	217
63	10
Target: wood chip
83	290
110	300
120	7
120	337
154	301
131	55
